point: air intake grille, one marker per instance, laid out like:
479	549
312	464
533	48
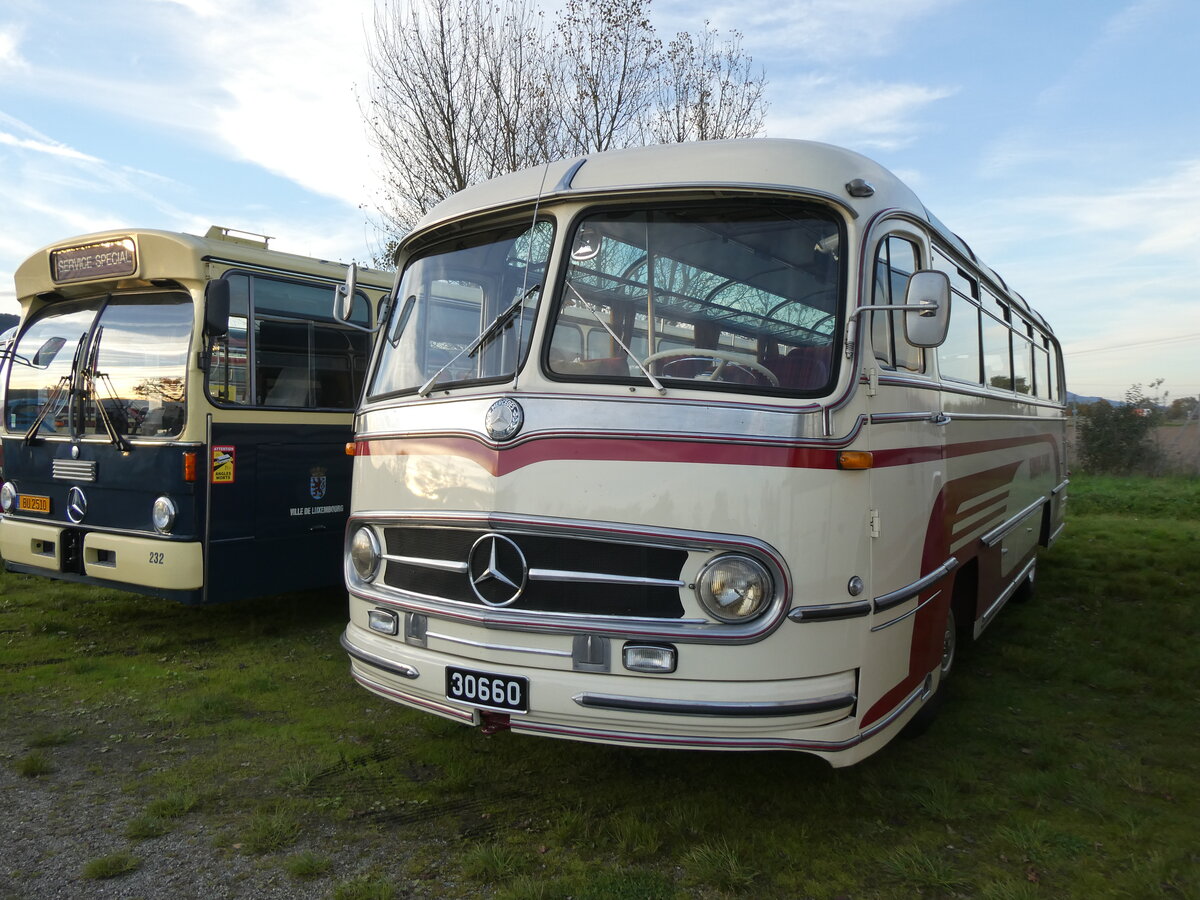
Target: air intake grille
73	469
553	573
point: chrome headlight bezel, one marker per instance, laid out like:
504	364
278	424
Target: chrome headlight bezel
163	514
735	588
365	553
8	496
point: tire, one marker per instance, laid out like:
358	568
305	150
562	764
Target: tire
1026	591
919	724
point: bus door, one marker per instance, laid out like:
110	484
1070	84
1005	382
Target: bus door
279	477
909	591
277	501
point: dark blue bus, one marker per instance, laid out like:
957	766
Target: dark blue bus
176	414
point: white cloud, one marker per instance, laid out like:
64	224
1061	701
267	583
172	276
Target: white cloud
289	78
52	148
268	83
807	31
10	55
877	115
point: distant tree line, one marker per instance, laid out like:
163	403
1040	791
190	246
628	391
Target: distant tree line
464	90
1119	439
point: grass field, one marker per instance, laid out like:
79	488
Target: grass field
1064	764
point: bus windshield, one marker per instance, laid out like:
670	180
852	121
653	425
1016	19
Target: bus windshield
731	295
123	359
465	311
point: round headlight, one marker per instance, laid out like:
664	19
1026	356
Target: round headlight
365	553
8	496
163	515
735	588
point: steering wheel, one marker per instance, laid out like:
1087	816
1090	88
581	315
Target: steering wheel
721	357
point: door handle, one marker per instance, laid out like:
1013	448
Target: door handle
939	418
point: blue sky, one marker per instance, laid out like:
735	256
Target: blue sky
1060	138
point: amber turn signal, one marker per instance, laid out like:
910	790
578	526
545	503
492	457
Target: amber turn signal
855	459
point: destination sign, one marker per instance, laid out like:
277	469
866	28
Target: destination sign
101	260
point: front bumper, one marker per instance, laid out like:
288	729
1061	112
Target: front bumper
140	562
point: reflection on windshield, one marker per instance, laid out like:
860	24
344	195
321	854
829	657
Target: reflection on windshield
737	295
459	319
136	357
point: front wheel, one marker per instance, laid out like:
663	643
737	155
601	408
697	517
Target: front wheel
919	724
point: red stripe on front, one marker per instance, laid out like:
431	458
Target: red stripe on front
502	461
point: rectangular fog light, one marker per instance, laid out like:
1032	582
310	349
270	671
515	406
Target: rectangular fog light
655	658
384	621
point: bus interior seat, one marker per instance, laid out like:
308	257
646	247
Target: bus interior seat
291	388
803	368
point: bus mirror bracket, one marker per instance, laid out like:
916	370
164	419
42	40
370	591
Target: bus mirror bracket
927	308
216	308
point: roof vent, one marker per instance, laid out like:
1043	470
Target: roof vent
237	236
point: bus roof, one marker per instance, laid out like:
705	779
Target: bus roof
170	248
759	164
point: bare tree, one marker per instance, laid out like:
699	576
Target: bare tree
464	90
708	90
608	69
522	106
428	96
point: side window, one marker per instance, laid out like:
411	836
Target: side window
958	357
228	369
895	263
1041	369
1022	355
997	343
1055	362
283	350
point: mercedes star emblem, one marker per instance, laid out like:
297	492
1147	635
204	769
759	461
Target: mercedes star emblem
497	569
76	505
504	419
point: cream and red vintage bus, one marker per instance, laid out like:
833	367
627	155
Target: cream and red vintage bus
176	414
718	445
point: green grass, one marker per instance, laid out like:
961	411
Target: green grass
111	866
307	865
34	764
1063	764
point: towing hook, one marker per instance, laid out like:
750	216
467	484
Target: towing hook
493	723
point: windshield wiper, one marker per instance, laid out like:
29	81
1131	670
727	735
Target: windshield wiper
53	401
497	325
620	343
90	375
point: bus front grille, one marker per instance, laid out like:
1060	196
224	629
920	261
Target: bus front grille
535	572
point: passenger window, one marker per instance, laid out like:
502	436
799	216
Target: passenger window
958	356
283	350
997	344
897	260
1022	354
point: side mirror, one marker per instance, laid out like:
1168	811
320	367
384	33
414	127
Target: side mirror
343	295
927	308
216	307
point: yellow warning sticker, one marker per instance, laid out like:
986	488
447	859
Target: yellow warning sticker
223	459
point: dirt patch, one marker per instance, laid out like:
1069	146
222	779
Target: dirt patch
81	808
